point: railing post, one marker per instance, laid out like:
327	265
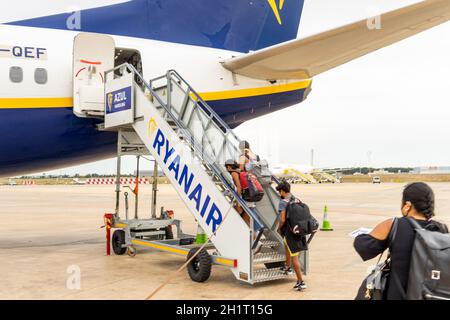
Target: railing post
119	152
169	92
136	191
154	189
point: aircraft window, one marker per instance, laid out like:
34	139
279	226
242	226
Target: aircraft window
40	76
16	74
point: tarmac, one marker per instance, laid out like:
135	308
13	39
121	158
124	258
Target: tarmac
46	232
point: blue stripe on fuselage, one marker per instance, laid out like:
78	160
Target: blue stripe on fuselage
43	139
35	140
238	110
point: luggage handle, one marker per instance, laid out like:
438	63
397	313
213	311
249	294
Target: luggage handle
434	297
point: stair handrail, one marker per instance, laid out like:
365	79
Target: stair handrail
193	140
220	120
207	106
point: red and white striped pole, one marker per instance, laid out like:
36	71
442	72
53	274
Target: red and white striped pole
108	225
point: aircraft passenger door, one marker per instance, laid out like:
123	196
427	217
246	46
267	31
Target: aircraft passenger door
93	54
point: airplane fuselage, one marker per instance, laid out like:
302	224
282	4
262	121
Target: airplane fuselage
39	130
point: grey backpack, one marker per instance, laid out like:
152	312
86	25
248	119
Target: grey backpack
429	273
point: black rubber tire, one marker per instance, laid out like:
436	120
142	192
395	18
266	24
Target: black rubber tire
169	233
199	268
118	240
272	265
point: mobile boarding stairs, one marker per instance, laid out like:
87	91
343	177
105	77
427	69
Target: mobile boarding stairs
167	119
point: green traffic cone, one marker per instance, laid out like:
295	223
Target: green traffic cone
326	225
201	236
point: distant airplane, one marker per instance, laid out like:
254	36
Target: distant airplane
241	56
306	173
284	168
78	181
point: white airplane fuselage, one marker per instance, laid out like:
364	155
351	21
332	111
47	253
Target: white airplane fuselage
39	130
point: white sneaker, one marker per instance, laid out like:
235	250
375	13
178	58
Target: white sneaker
300	286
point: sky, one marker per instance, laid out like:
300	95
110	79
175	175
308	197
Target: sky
389	108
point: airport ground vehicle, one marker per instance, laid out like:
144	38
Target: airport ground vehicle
376	179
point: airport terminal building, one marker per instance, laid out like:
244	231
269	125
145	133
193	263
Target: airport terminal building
432	170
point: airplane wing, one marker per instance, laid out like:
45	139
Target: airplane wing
305	58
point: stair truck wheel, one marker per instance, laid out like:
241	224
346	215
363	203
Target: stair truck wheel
118	240
199	268
169	232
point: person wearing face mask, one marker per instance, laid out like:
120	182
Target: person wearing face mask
417	203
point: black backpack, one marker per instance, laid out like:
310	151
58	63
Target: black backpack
429	272
299	219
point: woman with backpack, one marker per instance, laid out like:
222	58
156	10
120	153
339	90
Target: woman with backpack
233	169
398	236
247	163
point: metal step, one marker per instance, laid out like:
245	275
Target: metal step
270	243
148	233
263	275
172	123
266	257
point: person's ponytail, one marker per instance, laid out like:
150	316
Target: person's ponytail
421	197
